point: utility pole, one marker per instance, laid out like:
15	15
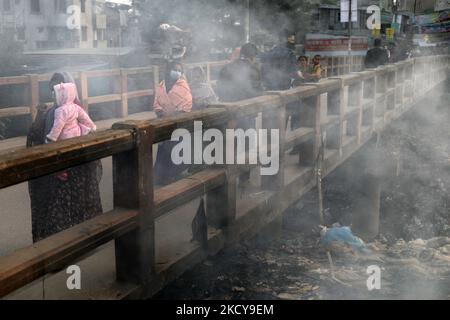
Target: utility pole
350	35
247	21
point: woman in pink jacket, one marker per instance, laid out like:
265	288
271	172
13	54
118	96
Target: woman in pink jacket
172	97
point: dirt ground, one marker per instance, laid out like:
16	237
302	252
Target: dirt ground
412	249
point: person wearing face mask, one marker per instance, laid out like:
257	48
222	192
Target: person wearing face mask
172	97
279	65
202	92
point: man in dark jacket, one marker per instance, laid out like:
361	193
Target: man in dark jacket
280	65
241	78
376	56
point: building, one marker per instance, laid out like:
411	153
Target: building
329	17
122	30
415	7
55	24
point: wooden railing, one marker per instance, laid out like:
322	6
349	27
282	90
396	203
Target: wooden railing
119	93
347	110
336	66
119	87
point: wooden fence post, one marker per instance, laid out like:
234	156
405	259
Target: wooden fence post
34	94
133	188
84	90
399	81
380	98
208	72
335	106
359	103
311	118
221	202
275	119
124	93
155	76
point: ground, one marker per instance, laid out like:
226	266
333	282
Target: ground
412	249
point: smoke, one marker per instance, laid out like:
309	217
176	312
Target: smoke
215	28
220	25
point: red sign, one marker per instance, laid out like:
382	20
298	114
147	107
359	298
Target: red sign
317	45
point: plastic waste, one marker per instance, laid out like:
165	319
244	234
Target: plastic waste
342	235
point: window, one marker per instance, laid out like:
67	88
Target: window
52	34
100	34
7	5
20	33
35	6
67	35
60	6
83	6
84	34
362	20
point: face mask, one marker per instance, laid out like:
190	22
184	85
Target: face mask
175	75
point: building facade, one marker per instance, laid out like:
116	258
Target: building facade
415	7
329	17
55	24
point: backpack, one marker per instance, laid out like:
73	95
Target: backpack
41	126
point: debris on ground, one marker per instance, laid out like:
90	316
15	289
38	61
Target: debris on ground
412	250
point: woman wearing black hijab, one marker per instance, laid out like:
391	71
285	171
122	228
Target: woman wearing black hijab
62	200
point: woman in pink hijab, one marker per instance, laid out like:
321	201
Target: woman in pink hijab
70	119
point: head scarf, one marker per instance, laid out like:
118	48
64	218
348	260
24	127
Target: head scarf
66	93
64	77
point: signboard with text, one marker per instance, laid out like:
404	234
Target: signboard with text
442	5
335	46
